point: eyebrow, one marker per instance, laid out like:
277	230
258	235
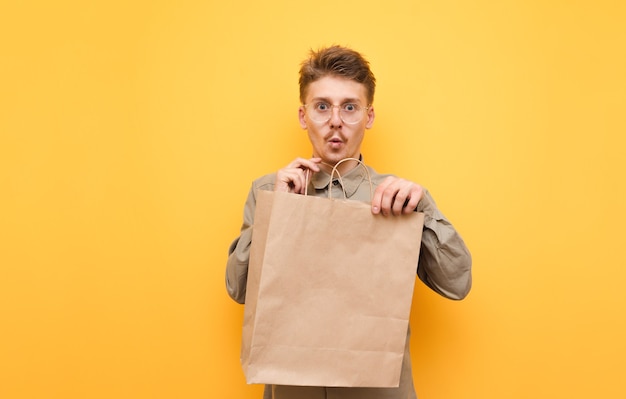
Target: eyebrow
344	101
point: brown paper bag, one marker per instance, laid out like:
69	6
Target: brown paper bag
329	292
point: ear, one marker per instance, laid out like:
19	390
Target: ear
301	117
371	115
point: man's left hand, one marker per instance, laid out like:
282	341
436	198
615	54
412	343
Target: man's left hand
396	196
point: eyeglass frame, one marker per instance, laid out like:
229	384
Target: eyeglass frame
332	107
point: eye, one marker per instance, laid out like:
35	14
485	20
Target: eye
322	107
350	107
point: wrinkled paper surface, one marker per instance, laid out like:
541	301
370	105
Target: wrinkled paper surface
329	292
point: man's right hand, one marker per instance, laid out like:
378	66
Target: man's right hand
293	177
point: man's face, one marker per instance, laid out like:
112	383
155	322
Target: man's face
335	140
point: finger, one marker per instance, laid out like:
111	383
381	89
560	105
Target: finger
378	196
287	180
302	181
400	200
386	202
396	196
388	194
415	197
407	198
293	178
304	164
297	180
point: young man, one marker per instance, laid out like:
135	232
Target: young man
337	92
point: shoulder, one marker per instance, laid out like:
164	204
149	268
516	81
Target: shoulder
376	177
265	182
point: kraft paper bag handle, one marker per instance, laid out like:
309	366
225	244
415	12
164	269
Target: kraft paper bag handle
335	171
332	173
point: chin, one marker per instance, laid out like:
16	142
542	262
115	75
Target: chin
333	159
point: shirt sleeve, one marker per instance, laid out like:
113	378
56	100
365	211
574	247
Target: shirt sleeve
445	262
239	254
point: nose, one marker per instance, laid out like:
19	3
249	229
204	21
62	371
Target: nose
335	117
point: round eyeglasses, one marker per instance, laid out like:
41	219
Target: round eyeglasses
321	112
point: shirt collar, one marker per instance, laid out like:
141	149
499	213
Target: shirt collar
351	180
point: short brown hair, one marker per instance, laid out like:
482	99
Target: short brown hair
337	61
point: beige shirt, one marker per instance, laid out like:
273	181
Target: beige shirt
444	266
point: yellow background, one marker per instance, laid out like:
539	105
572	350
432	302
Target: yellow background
130	132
